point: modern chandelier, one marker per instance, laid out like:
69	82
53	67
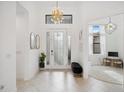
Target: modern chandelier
57	15
110	27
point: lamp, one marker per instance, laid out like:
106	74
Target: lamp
57	15
110	27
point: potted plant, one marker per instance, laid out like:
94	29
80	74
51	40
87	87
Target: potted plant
42	59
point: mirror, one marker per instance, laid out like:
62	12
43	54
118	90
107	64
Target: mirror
32	41
37	41
80	35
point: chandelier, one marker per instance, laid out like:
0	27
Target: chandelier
57	15
110	27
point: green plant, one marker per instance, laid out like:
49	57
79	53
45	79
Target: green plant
42	57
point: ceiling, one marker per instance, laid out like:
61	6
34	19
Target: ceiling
53	3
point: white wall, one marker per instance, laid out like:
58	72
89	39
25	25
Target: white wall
115	41
28	65
22	42
8	46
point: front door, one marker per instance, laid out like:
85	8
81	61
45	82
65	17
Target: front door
57	49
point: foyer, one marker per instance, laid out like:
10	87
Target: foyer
39	40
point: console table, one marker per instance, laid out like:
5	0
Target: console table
113	61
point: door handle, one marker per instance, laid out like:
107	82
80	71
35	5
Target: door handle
51	52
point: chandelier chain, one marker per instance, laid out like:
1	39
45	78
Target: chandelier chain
57	3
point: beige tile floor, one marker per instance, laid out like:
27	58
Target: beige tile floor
64	81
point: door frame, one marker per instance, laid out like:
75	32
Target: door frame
63	66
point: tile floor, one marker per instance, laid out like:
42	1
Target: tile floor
64	81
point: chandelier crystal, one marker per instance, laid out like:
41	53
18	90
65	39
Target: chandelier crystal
57	15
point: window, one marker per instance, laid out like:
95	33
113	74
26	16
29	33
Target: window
67	19
96	43
96	39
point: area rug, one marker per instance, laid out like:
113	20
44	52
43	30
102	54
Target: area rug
108	74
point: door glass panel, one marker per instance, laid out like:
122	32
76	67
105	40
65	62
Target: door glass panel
58	48
69	50
48	48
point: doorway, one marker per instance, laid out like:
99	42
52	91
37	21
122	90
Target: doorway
103	65
58	49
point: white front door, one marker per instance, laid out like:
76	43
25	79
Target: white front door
57	50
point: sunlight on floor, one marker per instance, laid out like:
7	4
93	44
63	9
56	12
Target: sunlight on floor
114	75
107	73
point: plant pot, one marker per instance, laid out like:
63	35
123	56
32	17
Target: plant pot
42	65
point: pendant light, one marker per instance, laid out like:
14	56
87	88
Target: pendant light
110	27
57	15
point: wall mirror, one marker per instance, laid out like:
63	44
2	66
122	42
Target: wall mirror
37	41
32	40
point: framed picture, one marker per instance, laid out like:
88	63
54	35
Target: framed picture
37	41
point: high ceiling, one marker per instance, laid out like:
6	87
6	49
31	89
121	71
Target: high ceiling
75	3
89	10
53	3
